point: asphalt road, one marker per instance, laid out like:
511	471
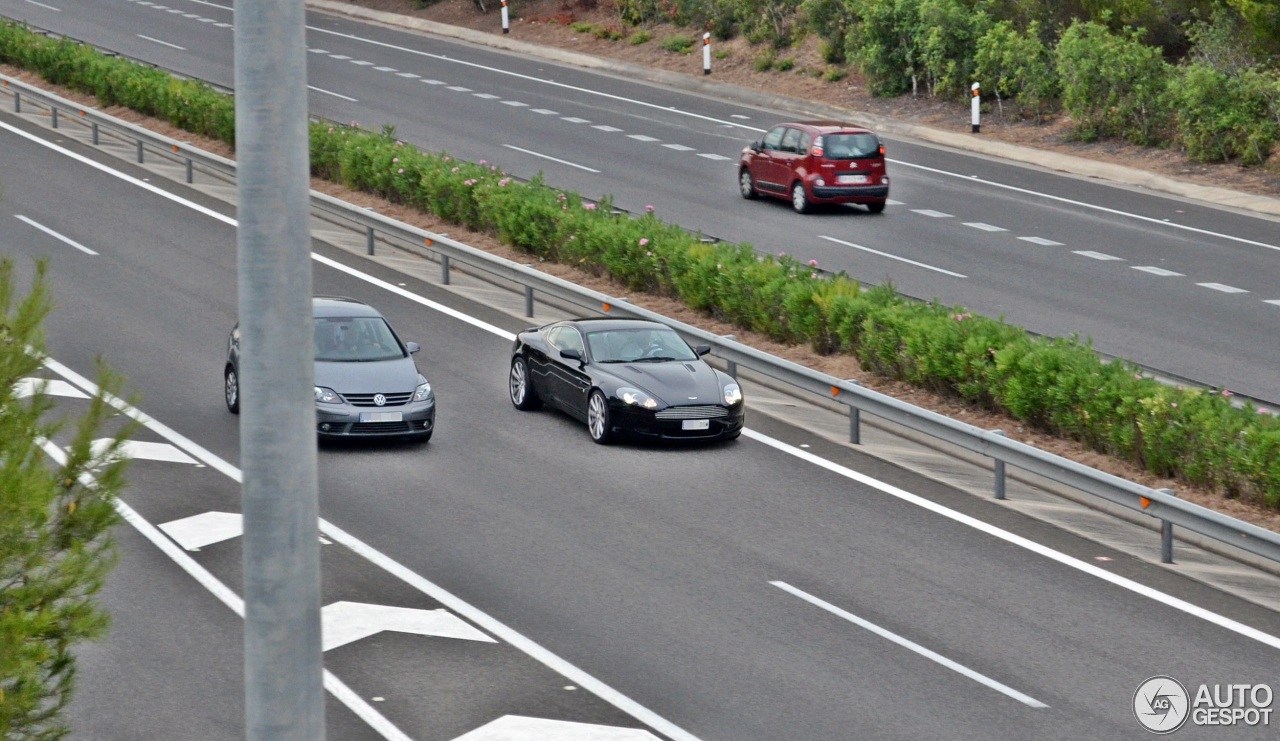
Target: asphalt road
1172	285
751	590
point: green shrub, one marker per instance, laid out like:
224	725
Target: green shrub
785	65
722	53
834	74
764	61
1221	116
1113	84
610	32
678	44
640	37
582	27
1012	64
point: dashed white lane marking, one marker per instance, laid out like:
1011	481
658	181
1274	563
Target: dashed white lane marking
574	119
712	156
459	88
361	63
163	43
54	234
1098	255
206	528
642	138
346	622
549	157
318	51
207	20
891	202
931	213
147	451
330	92
515	104
911	646
609	129
50	386
524	728
341	57
1222	287
222	25
1272	301
1158	271
484	96
678	147
1041	241
892	257
409	75
985	227
385	69
434	82
544	111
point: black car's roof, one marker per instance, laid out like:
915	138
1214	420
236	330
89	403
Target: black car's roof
341	307
592	324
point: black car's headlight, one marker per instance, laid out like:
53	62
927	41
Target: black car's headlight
423	392
638	398
327	396
732	393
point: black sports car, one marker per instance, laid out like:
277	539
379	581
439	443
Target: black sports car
625	376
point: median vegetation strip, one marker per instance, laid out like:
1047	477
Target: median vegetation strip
1059	386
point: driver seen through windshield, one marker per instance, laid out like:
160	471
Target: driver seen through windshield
355	339
632	345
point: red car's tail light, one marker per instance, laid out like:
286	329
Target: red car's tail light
816	149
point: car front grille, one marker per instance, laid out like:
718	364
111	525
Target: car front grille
366	400
693	412
380	428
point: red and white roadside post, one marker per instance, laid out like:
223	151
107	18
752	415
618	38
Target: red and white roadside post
706	53
975	112
506	25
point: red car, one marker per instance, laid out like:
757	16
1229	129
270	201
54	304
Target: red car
816	162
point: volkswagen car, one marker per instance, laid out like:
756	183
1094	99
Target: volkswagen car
816	162
367	383
625	377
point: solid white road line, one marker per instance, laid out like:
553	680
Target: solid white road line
55	235
553	159
911	646
46	7
330	92
944	271
165	43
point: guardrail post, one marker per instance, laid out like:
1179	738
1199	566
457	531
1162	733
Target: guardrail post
139	151
17	102
999	471
190	173
368	238
444	270
855	419
53	111
528	301
731	367
1166	534
94	128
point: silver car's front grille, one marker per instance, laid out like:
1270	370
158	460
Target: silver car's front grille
698	412
366	400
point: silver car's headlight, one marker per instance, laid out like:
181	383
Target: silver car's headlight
638	398
732	394
327	396
423	392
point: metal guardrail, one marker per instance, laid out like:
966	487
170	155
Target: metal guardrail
1157	503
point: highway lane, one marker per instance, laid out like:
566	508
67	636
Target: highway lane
647	566
1188	296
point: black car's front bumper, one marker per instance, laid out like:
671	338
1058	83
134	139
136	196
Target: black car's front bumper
345	420
673	424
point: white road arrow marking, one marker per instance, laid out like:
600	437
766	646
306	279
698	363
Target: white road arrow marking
53	387
346	622
146	451
194	533
521	728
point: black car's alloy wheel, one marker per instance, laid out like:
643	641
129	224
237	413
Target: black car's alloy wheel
598	423
799	199
521	386
746	184
231	390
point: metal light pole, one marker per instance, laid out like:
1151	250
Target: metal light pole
283	660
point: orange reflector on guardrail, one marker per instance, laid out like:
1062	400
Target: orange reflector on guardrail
835	391
608	307
428	241
1144	502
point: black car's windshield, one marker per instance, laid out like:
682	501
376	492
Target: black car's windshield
355	340
850	146
638	344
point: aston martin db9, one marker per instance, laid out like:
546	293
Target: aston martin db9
625	376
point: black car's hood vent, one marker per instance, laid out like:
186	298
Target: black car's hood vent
681	383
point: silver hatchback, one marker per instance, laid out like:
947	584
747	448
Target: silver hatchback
367	383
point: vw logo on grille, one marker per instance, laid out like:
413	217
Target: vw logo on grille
379	399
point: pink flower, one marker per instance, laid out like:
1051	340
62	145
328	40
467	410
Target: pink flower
782	254
395	159
1225	392
1138	376
813	275
648	209
448	159
648	254
1263	410
493	168
813	263
644	241
454	170
503	182
589	206
401	171
483	162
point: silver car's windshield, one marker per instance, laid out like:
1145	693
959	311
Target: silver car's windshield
355	340
630	345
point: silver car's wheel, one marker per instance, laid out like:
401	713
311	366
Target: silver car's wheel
746	184
521	386
598	418
799	199
231	390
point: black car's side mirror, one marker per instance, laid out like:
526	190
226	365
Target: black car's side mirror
412	347
702	349
571	353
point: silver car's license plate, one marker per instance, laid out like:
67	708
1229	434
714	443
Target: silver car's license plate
696	424
381	416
